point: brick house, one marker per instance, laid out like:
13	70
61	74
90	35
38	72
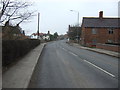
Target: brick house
100	30
10	32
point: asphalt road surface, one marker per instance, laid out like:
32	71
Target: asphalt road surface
63	66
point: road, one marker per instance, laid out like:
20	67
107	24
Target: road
65	66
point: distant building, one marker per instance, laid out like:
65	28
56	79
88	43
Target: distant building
100	30
43	36
10	32
35	35
46	37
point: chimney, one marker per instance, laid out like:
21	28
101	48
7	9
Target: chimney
48	32
69	26
101	14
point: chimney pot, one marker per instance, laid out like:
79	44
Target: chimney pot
48	32
101	14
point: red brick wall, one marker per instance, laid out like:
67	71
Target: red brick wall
108	47
102	36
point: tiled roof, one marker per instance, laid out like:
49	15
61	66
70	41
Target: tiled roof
41	34
100	23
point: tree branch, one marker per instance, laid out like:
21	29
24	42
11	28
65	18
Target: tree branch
11	8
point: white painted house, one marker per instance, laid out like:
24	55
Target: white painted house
43	36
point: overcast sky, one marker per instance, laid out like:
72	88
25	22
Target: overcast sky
55	15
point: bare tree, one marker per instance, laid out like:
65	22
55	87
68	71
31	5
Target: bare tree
14	10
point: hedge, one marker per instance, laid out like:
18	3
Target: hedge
14	49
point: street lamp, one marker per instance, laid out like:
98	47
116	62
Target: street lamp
77	16
77	22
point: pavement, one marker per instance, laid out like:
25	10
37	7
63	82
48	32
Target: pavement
102	51
19	75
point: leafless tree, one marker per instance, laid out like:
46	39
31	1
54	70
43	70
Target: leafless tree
14	10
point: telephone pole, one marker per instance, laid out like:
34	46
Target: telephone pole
38	26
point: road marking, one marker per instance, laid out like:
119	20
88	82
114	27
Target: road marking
100	68
73	54
70	52
64	49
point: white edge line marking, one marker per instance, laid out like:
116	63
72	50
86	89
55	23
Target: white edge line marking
100	68
64	49
73	54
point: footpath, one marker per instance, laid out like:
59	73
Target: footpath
102	51
19	75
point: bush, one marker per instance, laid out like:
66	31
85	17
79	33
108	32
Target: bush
13	49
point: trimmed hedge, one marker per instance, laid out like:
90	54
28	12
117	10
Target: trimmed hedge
14	49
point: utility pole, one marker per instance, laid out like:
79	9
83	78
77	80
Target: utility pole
38	26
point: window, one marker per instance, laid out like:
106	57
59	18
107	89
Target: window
110	31
94	31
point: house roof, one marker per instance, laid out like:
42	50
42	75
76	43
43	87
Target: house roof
41	34
101	23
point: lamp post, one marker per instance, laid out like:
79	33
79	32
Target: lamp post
77	22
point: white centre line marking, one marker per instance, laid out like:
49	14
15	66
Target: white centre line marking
73	54
100	68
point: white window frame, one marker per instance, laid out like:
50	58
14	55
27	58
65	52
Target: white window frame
110	30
